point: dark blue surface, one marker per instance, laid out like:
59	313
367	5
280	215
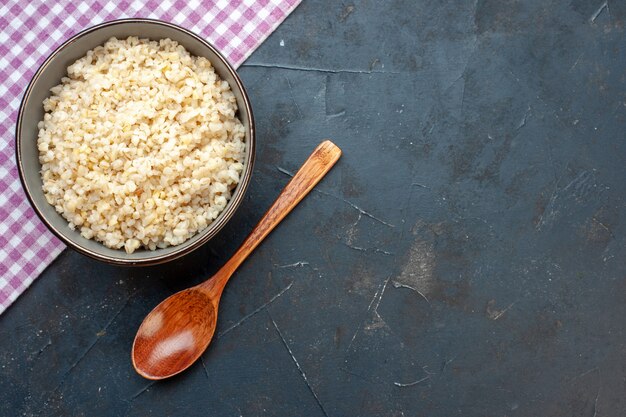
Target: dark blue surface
464	258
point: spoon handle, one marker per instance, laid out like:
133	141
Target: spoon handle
312	171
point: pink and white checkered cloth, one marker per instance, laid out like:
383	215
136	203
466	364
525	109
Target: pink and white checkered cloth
30	31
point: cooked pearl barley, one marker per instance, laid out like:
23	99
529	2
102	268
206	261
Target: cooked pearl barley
140	145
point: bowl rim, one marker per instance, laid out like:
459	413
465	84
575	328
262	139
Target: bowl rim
211	230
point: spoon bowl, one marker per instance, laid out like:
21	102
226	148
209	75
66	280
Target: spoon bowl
178	331
174	334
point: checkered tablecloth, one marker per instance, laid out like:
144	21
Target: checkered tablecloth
29	31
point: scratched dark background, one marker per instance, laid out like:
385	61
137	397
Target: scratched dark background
464	258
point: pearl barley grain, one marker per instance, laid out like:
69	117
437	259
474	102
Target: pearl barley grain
140	145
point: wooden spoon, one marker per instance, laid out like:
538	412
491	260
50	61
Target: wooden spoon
178	331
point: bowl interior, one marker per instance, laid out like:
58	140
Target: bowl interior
32	112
